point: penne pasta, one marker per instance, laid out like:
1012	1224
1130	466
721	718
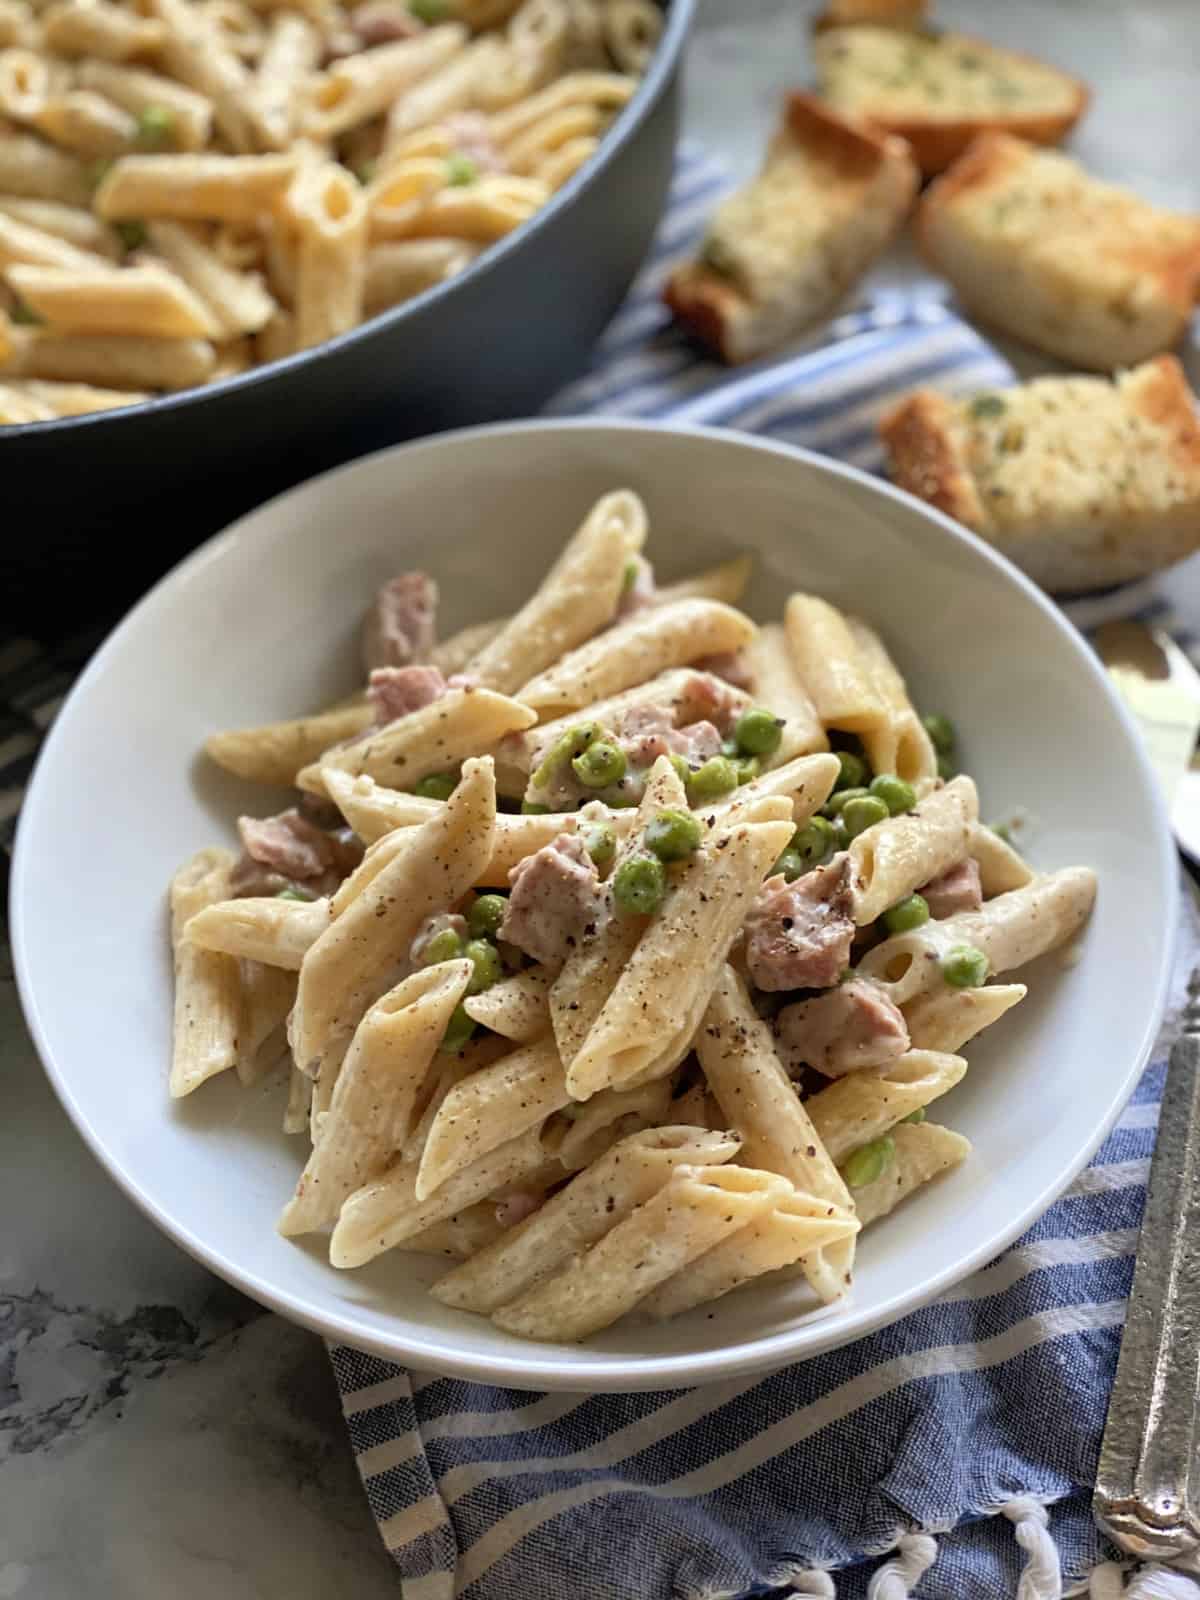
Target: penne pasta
921	1154
32	169
577	597
267	996
403	268
196	52
111	360
371	1108
201	187
207	984
86	123
830	667
279	933
726	582
361	86
577	1217
236	302
517	1008
460	649
330	216
777	685
73	224
17	406
805	781
695	1209
109	32
863	1105
1001	869
185	116
898	742
23	244
896	857
945	1019
614	1113
291	52
276	751
632	29
648	643
299	1102
141	300
473	1057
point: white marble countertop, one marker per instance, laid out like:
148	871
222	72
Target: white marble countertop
160	1435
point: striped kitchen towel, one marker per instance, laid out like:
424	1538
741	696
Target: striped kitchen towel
949	1456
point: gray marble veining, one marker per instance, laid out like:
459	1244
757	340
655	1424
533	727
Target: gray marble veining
159	1434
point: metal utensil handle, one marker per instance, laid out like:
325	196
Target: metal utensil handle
1146	1498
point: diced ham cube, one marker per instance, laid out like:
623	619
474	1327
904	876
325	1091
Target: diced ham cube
648	731
398	691
289	851
958	889
472	135
399	628
429	930
697	743
384	21
556	896
798	935
855	1025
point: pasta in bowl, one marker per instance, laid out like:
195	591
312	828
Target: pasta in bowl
625	954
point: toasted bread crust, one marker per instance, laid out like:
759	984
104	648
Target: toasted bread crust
1164	399
707	305
877	13
924	460
854	149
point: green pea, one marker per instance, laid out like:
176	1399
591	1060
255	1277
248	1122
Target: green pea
839	798
485	958
460	171
941	733
673	835
600	842
747	768
864	813
841	837
964	967
364	172
437	786
758	732
916	1117
131	234
813	842
946	768
639	885
869	1162
486	915
24	315
458	1031
532	808
896	795
682	771
429	11
599	765
717	777
853	774
629	576
565	748
791	864
445	945
906	915
295	894
155	124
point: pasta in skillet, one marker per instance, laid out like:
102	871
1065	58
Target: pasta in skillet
188	190
616	950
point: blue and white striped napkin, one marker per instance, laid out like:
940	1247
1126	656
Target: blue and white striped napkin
950	1456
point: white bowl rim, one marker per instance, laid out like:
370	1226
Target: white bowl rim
774	1351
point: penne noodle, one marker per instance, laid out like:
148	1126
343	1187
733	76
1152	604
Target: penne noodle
236	302
863	1105
207	985
29	80
381	1077
608	90
330	217
277	339
346	970
452	87
777	686
946	1019
299	1102
196	52
531	149
385	1212
77	227
517	1008
806	782
459	1236
403	268
111	360
614	1113
199	187
18	406
276	751
489	1108
460	649
896	857
32	169
18	30
1010	930
578	596
86	123
435	739
738	1059
796	1228
695	1209
267	997
648	1021
23	244
632	30
726	581
290	53
140	301
475	1055
577	1217
189	115
109	32
898	743
362	86
829	665
922	1154
1001	869
646	644
279	933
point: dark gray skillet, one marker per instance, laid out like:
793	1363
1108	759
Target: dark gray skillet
93	509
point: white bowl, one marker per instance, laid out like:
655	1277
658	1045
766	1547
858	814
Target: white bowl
262	623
